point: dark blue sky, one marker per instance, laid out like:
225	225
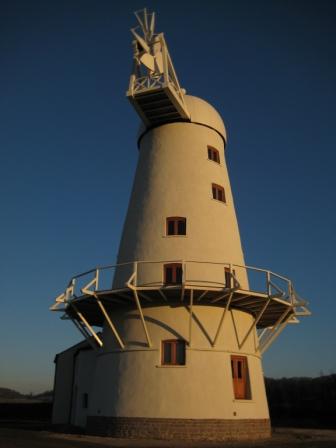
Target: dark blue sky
68	155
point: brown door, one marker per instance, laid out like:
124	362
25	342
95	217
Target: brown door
239	376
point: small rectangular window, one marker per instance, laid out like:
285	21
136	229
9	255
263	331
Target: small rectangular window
85	400
173	352
218	193
240	378
176	225
213	154
173	273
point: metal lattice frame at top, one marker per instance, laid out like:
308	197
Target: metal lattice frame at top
272	308
154	89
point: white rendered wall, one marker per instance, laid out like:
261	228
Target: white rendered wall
133	383
84	372
73	377
63	387
174	178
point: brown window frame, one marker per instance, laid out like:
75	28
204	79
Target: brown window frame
175	267
240	377
175	221
213	154
218	193
173	343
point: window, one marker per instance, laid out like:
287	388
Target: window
176	226
240	378
218	193
173	273
85	400
173	352
213	154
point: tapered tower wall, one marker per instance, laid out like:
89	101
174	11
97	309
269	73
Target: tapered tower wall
134	394
174	177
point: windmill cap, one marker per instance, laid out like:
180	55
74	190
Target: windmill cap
201	113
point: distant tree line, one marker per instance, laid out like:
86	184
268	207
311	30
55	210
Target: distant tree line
302	401
15	406
10	395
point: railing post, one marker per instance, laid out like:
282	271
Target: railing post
97	280
291	293
182	280
135	270
70	289
165	63
190	314
268	285
231	277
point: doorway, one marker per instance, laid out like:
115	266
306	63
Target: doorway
240	377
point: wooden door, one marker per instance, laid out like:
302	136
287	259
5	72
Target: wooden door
239	377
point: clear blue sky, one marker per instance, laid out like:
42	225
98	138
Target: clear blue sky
68	155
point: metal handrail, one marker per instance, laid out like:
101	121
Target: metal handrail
91	286
286	292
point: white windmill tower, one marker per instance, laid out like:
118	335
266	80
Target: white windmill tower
183	330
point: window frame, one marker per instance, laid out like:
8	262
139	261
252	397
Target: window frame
215	188
175	220
213	154
174	266
173	343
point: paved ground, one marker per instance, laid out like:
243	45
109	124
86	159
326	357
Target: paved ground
282	438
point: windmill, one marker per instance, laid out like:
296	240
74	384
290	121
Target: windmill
184	321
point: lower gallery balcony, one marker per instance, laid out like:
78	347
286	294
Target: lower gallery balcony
91	298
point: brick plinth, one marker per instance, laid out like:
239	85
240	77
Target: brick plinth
185	429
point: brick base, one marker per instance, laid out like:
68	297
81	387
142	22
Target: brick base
185	429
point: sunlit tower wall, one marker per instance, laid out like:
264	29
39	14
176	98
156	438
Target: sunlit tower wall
183	331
